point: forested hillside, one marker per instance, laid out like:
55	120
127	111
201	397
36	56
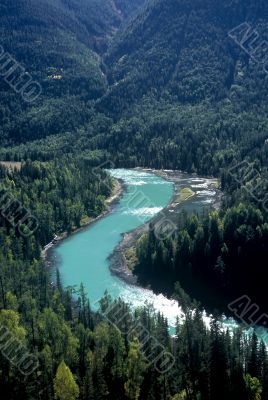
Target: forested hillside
52	346
186	89
59	44
181	50
172	89
156	83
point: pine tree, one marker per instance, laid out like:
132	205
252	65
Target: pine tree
88	384
219	380
135	368
65	387
253	363
254	388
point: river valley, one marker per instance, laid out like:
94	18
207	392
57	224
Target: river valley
84	256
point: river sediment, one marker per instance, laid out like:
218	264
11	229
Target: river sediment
84	257
122	259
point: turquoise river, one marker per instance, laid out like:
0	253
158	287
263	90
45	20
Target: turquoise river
83	257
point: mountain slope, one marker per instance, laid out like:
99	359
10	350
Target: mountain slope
183	48
59	43
177	90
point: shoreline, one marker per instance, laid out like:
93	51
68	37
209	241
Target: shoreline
118	262
118	190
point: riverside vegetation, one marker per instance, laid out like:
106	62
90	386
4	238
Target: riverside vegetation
158	85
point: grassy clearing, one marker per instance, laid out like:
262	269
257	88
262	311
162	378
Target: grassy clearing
185	194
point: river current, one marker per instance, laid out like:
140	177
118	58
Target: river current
83	257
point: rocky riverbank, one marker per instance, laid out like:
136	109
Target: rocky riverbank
123	259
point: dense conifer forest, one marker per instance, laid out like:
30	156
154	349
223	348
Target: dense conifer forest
167	84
